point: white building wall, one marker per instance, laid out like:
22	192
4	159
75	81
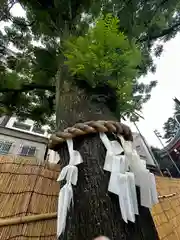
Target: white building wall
53	156
17	143
142	149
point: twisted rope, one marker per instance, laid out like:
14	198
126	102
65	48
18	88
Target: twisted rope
80	129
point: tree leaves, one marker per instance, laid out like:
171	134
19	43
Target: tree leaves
171	126
102	52
105	54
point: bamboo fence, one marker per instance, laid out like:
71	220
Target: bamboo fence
28	199
166	213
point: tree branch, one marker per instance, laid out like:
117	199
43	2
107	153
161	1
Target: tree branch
156	10
28	87
4	12
12	19
163	33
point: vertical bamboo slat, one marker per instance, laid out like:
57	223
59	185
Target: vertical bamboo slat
22	196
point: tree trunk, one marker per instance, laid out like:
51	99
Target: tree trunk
74	105
96	211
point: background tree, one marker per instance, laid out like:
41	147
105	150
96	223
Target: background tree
45	22
171	126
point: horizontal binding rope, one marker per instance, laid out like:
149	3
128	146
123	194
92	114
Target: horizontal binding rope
80	129
28	219
167	196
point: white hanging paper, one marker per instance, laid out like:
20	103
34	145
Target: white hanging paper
113	148
75	156
64	201
114	184
136	164
127	145
133	194
124	199
124	164
153	189
118	184
108	162
109	152
116	148
122	182
145	189
122	196
70	173
106	142
143	178
117	164
128	201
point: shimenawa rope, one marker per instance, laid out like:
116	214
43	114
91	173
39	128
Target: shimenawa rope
80	129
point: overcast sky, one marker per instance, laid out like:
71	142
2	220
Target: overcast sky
160	106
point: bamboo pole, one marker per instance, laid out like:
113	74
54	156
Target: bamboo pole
27	219
167	196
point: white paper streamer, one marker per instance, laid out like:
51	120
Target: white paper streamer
154	194
75	156
64	201
145	180
122	196
127	171
70	174
118	183
113	148
123	183
133	194
129	204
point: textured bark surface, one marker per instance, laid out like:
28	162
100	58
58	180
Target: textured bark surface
74	105
96	211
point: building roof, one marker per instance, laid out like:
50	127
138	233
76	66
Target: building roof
171	144
23	135
28	189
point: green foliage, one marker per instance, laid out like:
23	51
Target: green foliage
45	65
104	56
105	59
171	126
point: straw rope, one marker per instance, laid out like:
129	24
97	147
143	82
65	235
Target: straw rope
80	129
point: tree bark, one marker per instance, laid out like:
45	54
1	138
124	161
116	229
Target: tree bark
96	211
74	106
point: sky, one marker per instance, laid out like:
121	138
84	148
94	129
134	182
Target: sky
161	105
157	110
